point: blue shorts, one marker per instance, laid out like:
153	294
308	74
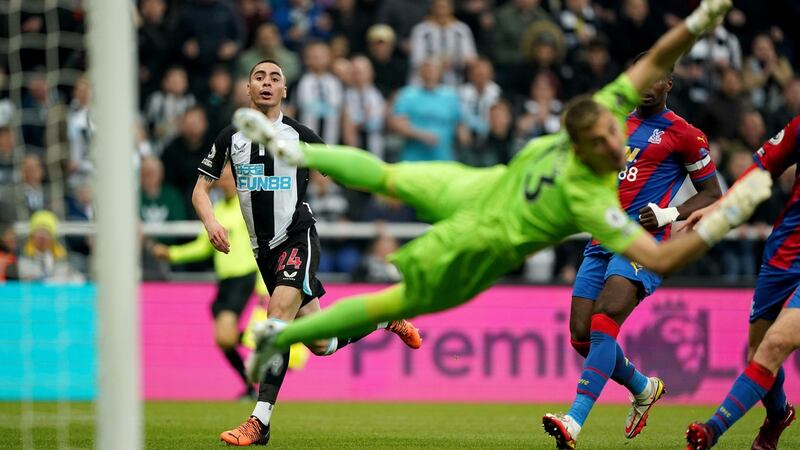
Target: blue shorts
596	269
773	288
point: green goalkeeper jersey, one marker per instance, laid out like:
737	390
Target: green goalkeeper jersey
544	195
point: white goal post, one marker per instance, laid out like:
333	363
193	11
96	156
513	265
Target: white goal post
112	56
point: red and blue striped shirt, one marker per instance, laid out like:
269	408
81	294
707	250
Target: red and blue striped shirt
662	150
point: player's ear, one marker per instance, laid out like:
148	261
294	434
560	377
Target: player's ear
285	92
669	84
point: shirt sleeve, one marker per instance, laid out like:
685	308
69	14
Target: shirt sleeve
214	161
620	97
695	155
597	211
308	136
780	152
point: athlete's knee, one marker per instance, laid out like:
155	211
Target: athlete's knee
285	303
226	338
579	329
777	344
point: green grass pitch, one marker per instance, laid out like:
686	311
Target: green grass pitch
196	425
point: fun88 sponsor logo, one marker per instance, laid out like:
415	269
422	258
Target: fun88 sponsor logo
250	177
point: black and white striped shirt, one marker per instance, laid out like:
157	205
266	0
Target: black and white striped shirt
319	101
271	192
453	42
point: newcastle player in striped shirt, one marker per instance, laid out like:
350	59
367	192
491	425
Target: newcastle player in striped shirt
281	228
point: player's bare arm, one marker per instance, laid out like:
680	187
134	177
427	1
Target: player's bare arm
651	217
674	43
201	201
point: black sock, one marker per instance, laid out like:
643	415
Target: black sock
235	360
271	383
344	342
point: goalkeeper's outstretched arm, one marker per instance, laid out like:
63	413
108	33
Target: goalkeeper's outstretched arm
732	210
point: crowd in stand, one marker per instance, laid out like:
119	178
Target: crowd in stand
409	80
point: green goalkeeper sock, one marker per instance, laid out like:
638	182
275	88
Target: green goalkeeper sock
350	166
352	317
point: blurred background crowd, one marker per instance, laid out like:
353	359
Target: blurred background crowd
464	80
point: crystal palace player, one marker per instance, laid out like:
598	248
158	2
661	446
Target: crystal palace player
662	149
281	229
774	331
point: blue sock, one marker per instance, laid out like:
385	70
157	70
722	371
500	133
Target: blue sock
775	398
598	366
625	373
748	389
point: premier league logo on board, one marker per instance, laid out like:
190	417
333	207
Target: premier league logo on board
675	347
655	138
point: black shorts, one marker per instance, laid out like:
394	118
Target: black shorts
233	294
293	263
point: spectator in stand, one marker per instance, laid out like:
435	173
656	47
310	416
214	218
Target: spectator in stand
365	109
79	209
751	131
541	111
217	104
390	70
182	157
579	23
8	252
428	116
380	208
7	176
478	96
43	258
342	69
497	146
37	99
253	13
301	21
351	19
700	70
737	256
375	267
329	203
153	38
35	196
268	45
319	94
165	107
545	50
594	69
443	36
766	73
158	202
510	23
402	16
636	30
719	118
789	108
208	32
79	131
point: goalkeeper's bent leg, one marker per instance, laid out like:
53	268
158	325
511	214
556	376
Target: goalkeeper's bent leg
350	317
353	167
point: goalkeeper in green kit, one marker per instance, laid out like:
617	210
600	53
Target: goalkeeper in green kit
487	221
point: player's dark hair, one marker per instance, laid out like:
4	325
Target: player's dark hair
271	61
643	54
582	113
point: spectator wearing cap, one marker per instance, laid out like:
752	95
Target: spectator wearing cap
43	258
443	36
428	116
268	45
390	70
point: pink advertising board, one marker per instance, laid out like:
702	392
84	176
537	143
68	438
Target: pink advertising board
511	344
